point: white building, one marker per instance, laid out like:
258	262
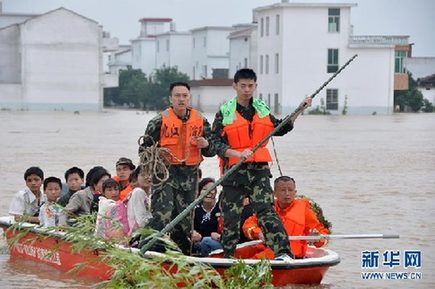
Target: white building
210	51
300	45
173	49
209	94
243	48
420	66
120	59
54	61
143	48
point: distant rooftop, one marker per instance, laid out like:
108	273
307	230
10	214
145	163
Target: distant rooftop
305	5
155	20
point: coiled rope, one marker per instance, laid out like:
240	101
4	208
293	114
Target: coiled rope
152	161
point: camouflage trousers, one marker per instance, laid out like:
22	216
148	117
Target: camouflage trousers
170	199
251	180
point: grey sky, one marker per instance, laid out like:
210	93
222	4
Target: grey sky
120	17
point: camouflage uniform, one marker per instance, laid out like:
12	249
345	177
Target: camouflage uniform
172	197
251	179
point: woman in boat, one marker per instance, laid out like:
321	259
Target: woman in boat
296	215
206	234
86	201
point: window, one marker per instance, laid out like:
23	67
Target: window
193	42
332	60
334	20
332	99
277	106
167	44
158	46
398	61
193	73
205	41
261	27
277	24
267	26
261	96
261	64
276	63
245	62
268	99
204	71
267	64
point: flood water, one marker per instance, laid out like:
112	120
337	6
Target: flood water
370	174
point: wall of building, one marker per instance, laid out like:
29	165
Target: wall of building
61	61
209	98
420	66
177	54
144	54
10	60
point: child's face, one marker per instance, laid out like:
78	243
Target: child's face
52	191
111	193
74	182
144	181
34	182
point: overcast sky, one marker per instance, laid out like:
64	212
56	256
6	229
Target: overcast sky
415	18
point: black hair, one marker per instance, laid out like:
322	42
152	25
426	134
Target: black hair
52	180
283	179
134	174
199	173
178	83
74	170
110	183
95	174
33	171
204	182
245	73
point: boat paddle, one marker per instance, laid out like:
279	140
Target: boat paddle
151	240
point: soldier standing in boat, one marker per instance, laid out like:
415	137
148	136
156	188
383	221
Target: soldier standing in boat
183	133
239	125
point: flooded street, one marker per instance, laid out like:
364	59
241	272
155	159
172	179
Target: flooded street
370	174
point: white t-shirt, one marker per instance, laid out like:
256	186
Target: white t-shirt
25	203
138	209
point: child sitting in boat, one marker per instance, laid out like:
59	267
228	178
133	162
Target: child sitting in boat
25	204
296	215
107	203
74	179
139	201
206	235
50	213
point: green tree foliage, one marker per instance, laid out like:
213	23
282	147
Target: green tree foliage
138	91
411	98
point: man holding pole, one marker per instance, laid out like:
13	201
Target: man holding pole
182	133
239	125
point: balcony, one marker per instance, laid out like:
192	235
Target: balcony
356	41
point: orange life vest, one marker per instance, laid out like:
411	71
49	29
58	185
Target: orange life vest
294	222
242	134
178	137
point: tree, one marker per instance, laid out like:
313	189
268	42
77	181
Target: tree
411	98
132	86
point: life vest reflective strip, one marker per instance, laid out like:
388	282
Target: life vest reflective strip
294	223
242	134
177	136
